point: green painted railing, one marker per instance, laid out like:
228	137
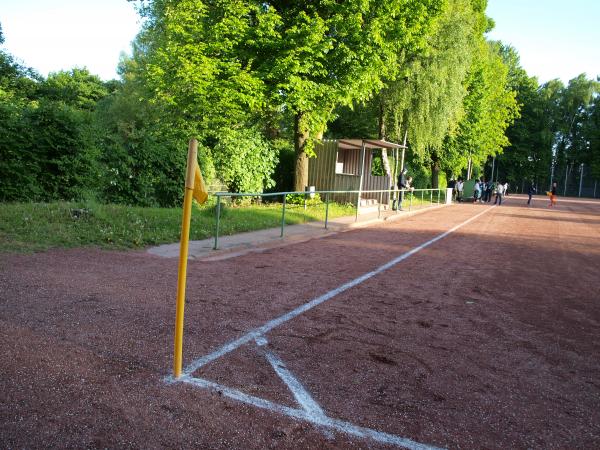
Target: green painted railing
398	196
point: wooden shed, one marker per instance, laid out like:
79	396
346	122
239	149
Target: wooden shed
346	165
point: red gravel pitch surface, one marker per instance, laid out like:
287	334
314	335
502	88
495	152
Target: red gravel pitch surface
489	338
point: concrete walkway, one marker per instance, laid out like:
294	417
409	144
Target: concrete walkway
261	240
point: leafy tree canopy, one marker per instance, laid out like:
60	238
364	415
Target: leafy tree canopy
219	62
75	87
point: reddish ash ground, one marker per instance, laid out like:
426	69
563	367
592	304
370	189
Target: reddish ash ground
489	338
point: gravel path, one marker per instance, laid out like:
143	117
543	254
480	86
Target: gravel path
487	338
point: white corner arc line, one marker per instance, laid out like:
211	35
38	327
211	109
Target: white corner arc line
257	332
299	414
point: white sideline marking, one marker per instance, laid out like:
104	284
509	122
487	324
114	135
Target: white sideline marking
319	420
259	332
311	411
301	395
260	341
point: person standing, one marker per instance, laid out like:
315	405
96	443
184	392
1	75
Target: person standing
483	190
488	190
499	192
459	190
477	191
402	186
530	191
452	185
553	195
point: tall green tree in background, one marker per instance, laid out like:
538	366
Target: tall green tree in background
223	63
592	129
490	107
528	156
436	87
548	118
331	54
553	136
571	143
196	61
76	87
425	101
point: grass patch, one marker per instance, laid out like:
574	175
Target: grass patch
28	227
423	199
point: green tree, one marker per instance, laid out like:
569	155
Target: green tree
573	106
244	160
18	170
592	130
142	152
426	101
75	87
338	53
220	64
490	107
46	146
17	82
528	156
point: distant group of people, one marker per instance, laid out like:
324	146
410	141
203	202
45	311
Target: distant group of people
483	191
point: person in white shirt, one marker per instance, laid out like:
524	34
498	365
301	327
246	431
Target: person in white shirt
459	190
499	193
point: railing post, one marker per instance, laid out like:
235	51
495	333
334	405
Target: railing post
283	215
410	203
326	208
218	222
439	195
379	205
304	214
422	197
431	197
357	206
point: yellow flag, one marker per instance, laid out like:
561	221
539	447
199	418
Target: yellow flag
200	193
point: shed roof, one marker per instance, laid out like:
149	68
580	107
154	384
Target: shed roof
369	143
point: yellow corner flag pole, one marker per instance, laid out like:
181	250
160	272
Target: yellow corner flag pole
183	255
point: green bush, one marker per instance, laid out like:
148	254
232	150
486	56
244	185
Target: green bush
300	199
45	152
244	160
284	170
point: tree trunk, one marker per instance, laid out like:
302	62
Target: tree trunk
381	118
435	171
300	139
381	133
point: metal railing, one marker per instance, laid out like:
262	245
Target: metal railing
398	197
